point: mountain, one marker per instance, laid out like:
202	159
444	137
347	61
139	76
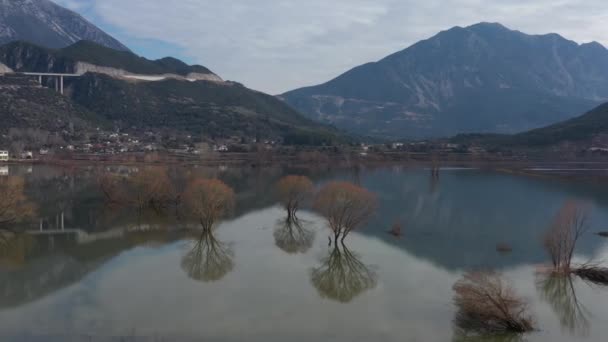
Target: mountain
45	23
585	131
137	94
481	78
26	104
86	56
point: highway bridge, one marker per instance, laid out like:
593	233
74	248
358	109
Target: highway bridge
57	76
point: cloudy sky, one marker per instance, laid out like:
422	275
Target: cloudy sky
279	45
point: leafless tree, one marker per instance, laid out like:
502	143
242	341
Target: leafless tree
209	200
345	206
149	188
570	223
292	192
342	276
488	305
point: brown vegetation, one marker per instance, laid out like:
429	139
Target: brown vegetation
487	305
292	192
342	276
14	204
594	274
345	206
560	240
208	200
149	188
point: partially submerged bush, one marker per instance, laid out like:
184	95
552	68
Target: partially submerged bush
292	192
345	206
149	188
593	274
14	204
560	240
487	305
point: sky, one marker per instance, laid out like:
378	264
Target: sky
279	45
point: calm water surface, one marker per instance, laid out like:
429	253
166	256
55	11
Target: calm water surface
118	277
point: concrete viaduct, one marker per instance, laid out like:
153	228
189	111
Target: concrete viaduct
58	78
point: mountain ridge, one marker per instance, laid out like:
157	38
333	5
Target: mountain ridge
202	105
48	24
445	85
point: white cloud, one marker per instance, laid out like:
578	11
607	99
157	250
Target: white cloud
277	45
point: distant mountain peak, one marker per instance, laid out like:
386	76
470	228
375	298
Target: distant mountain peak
489	25
480	78
47	24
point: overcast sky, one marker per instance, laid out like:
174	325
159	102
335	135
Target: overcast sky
279	45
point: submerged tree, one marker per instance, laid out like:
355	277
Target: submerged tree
342	276
558	290
149	188
293	237
209	260
345	206
209	200
14	204
292	192
487	305
560	240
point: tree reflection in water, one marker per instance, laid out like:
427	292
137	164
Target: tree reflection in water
342	276
558	290
209	260
292	236
463	336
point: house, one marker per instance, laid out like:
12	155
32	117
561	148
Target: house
27	155
3	155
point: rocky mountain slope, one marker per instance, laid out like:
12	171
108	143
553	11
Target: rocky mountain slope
47	24
482	78
133	93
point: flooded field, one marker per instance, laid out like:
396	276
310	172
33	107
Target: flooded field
75	266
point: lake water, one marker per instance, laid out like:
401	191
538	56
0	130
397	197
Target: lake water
115	276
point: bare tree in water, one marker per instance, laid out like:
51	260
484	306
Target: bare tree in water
487	305
149	188
345	206
342	276
570	223
292	192
209	200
